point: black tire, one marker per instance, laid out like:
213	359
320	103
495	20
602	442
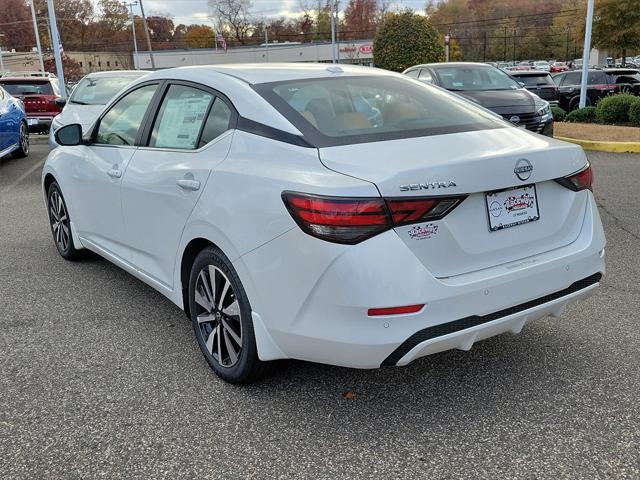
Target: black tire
23	142
229	321
575	102
60	223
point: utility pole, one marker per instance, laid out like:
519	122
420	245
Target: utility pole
55	45
133	28
567	52
37	35
146	33
514	45
484	47
337	32
266	43
1	61
585	55
447	46
333	35
505	44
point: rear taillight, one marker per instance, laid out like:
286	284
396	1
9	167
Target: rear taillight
603	87
352	220
582	180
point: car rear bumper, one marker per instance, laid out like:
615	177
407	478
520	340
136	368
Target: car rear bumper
313	297
38	123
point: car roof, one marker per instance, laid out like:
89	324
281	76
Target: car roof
118	73
26	79
454	64
524	73
254	73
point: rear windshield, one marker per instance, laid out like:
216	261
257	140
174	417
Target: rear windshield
625	77
535	80
98	91
339	111
26	87
473	78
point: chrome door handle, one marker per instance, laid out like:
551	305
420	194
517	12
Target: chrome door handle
188	184
114	173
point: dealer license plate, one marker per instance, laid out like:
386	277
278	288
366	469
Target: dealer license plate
32	121
512	206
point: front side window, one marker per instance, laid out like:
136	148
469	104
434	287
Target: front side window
343	110
572	78
473	78
425	76
121	123
180	118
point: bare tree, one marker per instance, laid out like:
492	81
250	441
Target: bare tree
232	16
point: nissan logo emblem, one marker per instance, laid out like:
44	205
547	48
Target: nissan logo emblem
515	119
523	169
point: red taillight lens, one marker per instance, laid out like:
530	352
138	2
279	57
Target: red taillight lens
352	220
340	220
405	211
583	180
374	312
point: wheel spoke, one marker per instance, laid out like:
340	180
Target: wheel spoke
224	293
210	339
233	310
220	359
212	285
234	335
233	356
202	301
60	206
207	292
54	214
206	318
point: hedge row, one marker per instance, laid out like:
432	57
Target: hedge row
615	109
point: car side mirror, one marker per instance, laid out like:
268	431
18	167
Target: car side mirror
61	102
521	84
69	135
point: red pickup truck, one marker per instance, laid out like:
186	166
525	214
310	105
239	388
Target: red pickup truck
39	95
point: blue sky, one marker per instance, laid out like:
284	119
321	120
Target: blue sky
196	11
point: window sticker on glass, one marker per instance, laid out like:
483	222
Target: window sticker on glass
181	117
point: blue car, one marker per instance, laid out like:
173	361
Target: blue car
14	131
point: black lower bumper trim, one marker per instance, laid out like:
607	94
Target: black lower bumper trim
475	320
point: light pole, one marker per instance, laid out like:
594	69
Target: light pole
586	54
37	35
133	28
333	35
146	34
55	44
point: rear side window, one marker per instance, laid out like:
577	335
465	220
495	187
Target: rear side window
218	122
536	80
425	76
572	78
28	88
180	119
413	73
343	110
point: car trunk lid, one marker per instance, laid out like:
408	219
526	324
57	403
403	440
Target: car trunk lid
471	164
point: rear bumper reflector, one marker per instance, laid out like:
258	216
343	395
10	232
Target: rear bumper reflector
475	320
373	312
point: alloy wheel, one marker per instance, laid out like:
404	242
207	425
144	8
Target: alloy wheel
59	221
24	139
219	318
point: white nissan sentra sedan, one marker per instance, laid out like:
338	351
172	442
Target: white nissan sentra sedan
343	215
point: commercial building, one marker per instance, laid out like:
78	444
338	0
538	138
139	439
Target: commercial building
358	52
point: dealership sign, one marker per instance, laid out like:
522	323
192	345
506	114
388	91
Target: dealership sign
354	50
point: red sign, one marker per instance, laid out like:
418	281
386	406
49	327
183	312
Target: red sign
366	49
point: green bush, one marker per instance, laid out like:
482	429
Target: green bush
405	39
582	115
558	114
615	108
634	113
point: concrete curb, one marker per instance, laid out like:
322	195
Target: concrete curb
615	147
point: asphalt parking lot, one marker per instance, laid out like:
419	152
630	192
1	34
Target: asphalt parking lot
101	376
